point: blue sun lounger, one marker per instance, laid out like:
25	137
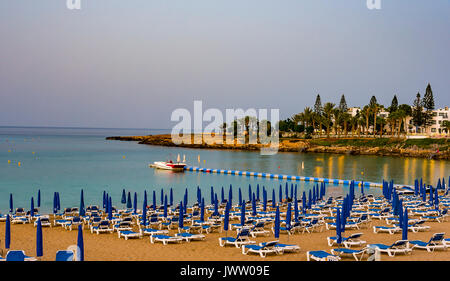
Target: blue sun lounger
241	239
165	239
65	255
345	252
435	242
262	250
321	256
128	234
400	246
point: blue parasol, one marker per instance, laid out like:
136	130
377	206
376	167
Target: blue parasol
124	197
226	217
82	212
32	207
257	192
171	197
253	205
39	199
202	210
288	216
243	213
129	205
240	197
11	206
405	225
135	203
277	223
165	206
80	244
181	216
39	244
144	214
274	200
8	232
338	227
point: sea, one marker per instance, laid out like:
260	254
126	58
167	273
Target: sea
70	160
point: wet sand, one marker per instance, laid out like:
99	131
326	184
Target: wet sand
108	247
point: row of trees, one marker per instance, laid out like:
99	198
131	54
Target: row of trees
331	118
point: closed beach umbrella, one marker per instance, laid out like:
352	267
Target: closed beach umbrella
202	210
288	216
110	209
304	203
230	195
80	244
226	217
82	212
39	244
55	208
162	196
264	200
277	223
295	209
135	203
338	227
144	214
216	205
274	200
286	190
243	213
32	207
8	232
39	199
123	200
165	206
222	196
154	200
181	216
58	201
249	193
212	195
11	206
405	225
436	199
257	192
185	200
129	205
145	199
171	197
104	199
253	205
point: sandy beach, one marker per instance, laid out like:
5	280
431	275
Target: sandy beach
108	247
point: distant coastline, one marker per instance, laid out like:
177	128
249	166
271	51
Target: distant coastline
421	148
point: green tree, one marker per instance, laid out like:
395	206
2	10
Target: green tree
394	105
328	111
343	104
428	105
417	112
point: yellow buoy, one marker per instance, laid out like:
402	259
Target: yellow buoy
123	157
9	150
19	164
32	152
9	161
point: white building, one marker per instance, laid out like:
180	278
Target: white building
436	129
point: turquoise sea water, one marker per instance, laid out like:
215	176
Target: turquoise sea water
70	159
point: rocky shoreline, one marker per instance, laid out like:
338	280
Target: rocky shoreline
302	145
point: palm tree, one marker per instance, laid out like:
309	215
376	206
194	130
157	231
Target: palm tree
337	120
328	110
366	113
374	108
307	116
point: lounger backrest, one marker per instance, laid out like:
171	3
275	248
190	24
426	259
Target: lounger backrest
245	232
64	256
15	256
399	243
437	237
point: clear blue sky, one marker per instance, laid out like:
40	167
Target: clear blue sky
130	63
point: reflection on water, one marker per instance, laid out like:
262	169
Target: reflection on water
67	161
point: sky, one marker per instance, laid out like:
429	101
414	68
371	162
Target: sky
131	63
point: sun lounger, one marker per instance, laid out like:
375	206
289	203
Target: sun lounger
400	246
321	256
352	240
241	239
18	255
19	219
102	227
262	250
388	229
341	252
189	236
45	221
128	234
258	229
74	222
435	242
165	239
151	231
284	247
419	226
122	226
